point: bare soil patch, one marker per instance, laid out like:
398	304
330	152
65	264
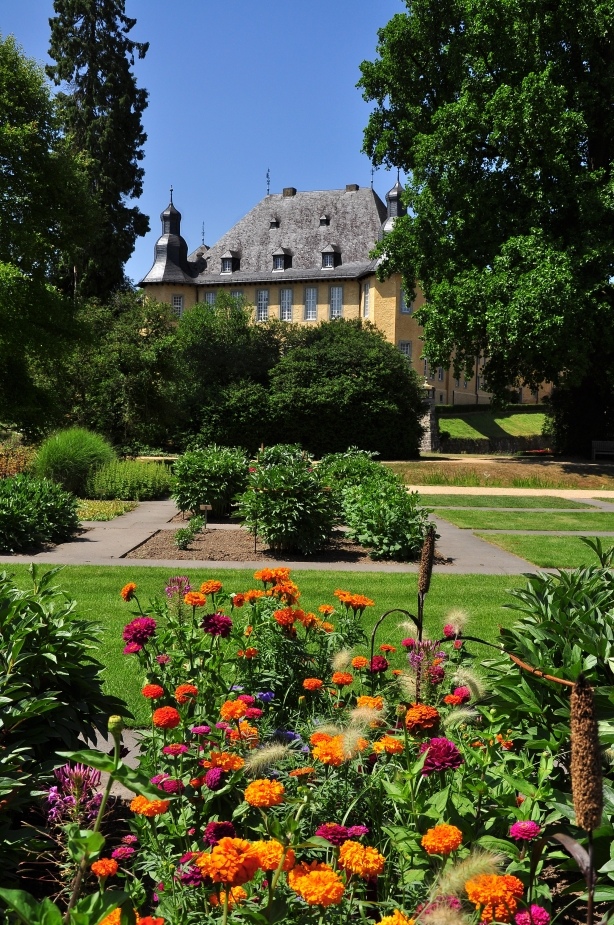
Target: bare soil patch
236	545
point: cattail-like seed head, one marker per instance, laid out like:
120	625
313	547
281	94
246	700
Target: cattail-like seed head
586	783
452	880
426	561
341	660
263	758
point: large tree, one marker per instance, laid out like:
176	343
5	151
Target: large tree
500	112
102	109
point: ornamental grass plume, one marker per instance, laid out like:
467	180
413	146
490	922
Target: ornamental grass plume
341	660
586	783
261	759
407	683
426	561
456	620
442	914
365	717
353	743
459	716
465	677
452	880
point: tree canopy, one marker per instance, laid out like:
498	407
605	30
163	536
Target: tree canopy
500	113
101	109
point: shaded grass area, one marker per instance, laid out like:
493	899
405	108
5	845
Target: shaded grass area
526	502
546	551
104	510
510	520
96	589
505	472
485	424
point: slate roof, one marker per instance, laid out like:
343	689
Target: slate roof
302	225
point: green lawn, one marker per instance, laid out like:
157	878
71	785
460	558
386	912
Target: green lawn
483	424
510	520
471	501
547	551
96	589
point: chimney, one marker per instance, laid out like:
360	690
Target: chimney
351	187
289	191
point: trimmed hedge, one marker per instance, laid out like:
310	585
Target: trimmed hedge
34	512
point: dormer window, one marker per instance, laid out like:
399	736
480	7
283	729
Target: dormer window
274	222
282	259
230	262
324	220
331	257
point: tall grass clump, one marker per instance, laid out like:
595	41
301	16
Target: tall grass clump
69	457
129	480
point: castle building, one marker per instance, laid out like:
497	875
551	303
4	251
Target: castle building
303	257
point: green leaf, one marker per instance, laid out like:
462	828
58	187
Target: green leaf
92	758
83	843
92	909
29	910
140	784
498	845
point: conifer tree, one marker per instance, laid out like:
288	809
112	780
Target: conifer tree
101	107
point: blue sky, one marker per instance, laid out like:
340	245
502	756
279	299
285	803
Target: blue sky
237	88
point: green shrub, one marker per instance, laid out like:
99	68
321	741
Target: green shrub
289	507
71	456
386	519
34	511
210	476
341	471
51	690
129	480
282	454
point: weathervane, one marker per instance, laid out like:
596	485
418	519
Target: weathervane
202	235
372	172
268	181
171	193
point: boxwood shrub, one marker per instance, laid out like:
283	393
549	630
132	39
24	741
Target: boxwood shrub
34	511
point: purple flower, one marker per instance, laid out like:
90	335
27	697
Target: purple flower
441	754
139	630
217	624
287	735
157	779
525	830
190	876
132	648
265	696
75	797
178	585
214	779
123	853
335	834
378	663
216	830
172	785
130	840
535	915
200	730
163	659
357	831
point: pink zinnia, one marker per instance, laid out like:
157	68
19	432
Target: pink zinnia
525	830
449	631
123	853
216	830
253	713
378	663
172	785
132	648
535	915
248	699
333	833
409	643
463	692
175	748
441	755
139	630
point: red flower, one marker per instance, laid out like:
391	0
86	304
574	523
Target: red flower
166	718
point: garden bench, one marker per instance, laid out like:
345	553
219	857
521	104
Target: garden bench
602	447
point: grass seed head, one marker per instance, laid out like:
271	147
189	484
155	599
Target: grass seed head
261	759
341	660
453	879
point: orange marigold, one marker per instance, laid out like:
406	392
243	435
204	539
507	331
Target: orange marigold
166	718
286	591
316	737
246	734
497	895
307	619
342	678
301	772
250	652
330	751
371	703
105	867
248	631
313	684
420	717
127	592
452	700
386	647
442	839
388	744
211	587
360	859
264	793
265	575
359	661
224	760
327	627
326	609
397	673
195	599
317	883
236	895
232	861
285	617
148	920
397	918
149	808
152	691
185	692
253	595
233	709
270	854
238	600
506	744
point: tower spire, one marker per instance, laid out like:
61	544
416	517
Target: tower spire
171	193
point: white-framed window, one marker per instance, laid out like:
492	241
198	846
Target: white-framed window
328	261
311	303
366	300
279	262
285	304
209	298
336	302
440	373
406	308
405	348
262	305
237	293
178	305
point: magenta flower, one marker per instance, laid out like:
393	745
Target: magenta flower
123	853
214	779
175	748
139	630
247	699
378	663
525	830
436	674
200	730
253	713
217	624
463	692
409	643
357	831
458	643
179	584
132	648
335	834
163	659
172	785
441	755
535	915
216	830
449	631
130	840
